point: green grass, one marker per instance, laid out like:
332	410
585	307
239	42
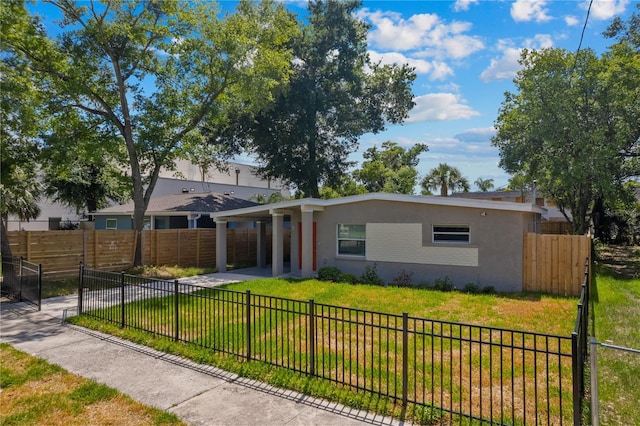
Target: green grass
523	312
617	318
62	286
34	392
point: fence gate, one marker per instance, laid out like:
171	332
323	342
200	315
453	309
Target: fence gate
22	280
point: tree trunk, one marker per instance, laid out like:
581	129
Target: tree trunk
5	248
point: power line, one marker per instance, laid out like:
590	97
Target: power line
586	20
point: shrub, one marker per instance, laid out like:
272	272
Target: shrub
348	278
472	288
443	284
403	279
329	273
370	275
489	290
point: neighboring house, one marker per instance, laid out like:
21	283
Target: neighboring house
552	213
177	211
475	241
239	181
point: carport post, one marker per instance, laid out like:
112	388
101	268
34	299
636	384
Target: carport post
307	243
277	254
261	244
221	245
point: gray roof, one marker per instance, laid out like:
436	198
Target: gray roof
186	203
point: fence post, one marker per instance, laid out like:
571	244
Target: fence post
405	358
248	323
20	280
39	286
595	407
122	299
312	337
80	288
176	310
575	360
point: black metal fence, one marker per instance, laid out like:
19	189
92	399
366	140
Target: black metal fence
579	343
447	369
22	280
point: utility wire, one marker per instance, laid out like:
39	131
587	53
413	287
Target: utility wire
584	27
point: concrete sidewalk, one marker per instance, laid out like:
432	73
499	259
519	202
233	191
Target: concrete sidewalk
198	394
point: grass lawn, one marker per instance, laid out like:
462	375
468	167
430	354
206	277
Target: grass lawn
456	362
34	392
617	316
530	312
52	287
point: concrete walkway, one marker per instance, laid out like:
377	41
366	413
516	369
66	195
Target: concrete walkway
198	394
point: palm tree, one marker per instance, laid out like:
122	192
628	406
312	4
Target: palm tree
484	184
446	178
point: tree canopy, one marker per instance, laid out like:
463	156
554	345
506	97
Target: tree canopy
154	71
484	185
390	169
20	119
570	125
445	177
335	95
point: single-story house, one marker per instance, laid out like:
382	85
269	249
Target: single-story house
466	240
176	211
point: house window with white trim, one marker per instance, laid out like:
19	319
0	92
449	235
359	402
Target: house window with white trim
451	234
111	224
351	239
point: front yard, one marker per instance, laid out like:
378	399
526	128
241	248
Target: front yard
531	312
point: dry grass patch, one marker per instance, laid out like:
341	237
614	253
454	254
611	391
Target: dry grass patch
34	392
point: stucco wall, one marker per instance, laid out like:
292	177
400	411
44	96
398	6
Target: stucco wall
399	236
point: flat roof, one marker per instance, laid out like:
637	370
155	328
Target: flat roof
315	204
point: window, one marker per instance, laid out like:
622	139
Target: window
112	224
451	234
351	240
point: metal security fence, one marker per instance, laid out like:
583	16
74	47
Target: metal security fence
22	280
579	342
453	370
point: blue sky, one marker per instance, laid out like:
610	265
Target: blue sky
465	53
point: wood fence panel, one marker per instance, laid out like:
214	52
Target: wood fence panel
562	228
60	252
114	250
555	263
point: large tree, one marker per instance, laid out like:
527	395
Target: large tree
81	160
571	125
154	71
20	102
445	177
335	95
391	168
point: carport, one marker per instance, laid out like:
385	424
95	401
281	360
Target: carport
302	234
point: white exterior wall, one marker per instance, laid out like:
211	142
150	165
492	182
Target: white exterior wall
402	242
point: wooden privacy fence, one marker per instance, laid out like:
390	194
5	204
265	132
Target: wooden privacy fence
555	263
60	252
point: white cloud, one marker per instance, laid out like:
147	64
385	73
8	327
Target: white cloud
434	69
571	20
506	66
530	10
440	107
427	32
605	9
461	5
